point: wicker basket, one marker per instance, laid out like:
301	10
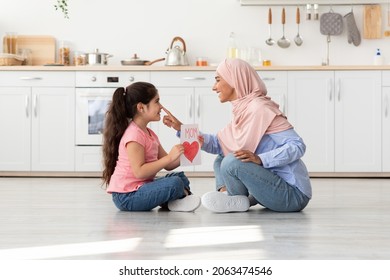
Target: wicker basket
7	59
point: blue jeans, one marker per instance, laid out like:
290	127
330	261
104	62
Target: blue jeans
153	194
270	190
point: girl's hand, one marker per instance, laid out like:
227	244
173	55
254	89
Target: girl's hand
247	156
170	120
176	151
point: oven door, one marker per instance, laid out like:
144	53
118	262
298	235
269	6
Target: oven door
91	107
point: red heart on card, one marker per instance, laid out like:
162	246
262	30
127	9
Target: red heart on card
191	150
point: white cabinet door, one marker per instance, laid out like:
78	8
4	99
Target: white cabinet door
276	83
15	129
180	102
311	112
358	121
386	129
212	116
53	129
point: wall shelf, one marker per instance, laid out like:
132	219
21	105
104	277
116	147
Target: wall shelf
304	2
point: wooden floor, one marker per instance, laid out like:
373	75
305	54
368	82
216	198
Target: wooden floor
73	218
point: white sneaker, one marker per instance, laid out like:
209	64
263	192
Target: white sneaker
188	203
222	203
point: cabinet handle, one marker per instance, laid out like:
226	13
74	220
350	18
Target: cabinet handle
194	78
268	79
27	106
35	105
191	101
30	78
330	89
339	90
284	104
386	106
198	107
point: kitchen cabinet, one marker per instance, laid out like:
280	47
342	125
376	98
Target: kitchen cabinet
386	121
276	83
337	113
37	121
189	96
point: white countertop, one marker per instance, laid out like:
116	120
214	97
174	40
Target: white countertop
186	68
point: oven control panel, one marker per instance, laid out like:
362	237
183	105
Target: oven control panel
108	79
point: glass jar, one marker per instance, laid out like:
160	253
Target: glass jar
10	43
27	55
79	58
64	53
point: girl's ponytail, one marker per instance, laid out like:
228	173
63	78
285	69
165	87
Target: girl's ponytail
115	123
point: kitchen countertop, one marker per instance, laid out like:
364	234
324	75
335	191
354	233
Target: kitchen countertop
186	68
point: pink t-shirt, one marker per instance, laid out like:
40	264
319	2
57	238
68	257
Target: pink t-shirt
123	179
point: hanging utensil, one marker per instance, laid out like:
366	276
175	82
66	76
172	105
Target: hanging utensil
330	24
298	39
283	42
270	41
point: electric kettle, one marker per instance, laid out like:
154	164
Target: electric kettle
176	56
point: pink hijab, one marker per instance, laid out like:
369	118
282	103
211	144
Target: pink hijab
254	113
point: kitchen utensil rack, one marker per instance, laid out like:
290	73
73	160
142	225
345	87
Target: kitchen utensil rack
304	2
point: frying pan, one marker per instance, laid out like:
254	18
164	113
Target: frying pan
136	61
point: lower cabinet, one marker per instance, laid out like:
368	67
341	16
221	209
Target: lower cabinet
386	121
338	114
37	128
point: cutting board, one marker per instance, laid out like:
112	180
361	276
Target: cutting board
43	48
372	22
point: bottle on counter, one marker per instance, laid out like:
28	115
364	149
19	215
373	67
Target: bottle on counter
232	46
378	58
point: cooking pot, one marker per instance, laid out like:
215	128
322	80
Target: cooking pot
176	56
97	58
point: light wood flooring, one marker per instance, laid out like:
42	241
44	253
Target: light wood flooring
73	218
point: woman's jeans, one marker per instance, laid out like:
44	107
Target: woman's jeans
270	190
153	194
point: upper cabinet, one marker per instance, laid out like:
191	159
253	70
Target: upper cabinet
304	2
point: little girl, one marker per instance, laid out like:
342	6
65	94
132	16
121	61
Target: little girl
133	155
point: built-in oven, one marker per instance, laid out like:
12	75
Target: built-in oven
94	92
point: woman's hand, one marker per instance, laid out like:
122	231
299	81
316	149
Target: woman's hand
171	121
247	156
201	140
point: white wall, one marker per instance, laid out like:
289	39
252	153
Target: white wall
146	27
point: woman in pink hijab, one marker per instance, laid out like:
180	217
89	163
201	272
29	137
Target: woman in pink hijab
259	152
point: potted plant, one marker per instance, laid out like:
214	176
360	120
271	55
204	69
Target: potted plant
62	5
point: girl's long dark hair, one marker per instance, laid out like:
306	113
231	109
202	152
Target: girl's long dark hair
121	111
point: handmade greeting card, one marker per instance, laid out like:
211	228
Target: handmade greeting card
189	139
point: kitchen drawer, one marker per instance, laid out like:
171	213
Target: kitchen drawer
110	79
37	79
183	79
385	78
273	78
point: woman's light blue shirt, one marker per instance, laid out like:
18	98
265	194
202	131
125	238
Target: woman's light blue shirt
280	153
